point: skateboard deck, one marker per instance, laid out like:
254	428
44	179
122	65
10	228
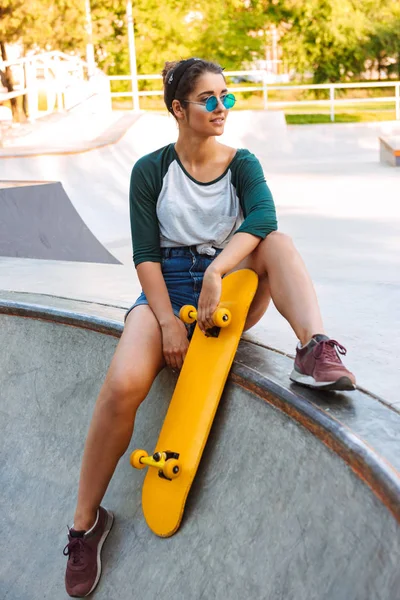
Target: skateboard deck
194	403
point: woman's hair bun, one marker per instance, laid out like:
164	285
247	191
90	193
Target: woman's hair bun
167	68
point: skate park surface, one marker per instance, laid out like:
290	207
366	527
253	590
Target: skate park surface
298	493
337	201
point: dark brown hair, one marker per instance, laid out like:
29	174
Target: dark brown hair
187	81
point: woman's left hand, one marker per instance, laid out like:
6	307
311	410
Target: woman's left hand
209	298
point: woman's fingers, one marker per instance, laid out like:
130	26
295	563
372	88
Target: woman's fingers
174	361
201	319
205	320
209	323
175	344
209	299
174	364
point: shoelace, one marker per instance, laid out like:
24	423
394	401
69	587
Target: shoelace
328	349
75	548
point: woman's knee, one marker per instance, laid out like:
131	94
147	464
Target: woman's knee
276	247
278	238
123	393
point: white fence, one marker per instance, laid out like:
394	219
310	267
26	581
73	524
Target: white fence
65	81
61	79
265	87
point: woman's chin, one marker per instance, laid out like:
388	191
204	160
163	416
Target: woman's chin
219	130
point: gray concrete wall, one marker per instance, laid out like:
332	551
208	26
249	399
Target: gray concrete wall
273	514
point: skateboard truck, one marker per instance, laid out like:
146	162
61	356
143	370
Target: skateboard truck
166	462
221	318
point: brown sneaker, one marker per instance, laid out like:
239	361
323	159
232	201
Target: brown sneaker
83	551
318	365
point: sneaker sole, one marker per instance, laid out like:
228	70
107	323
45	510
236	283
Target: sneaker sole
342	384
110	523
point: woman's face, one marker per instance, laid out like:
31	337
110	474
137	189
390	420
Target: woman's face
197	117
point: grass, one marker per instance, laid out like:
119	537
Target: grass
341	117
318	118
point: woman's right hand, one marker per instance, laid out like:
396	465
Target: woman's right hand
175	343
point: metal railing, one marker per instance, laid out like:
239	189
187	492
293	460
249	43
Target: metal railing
65	81
266	88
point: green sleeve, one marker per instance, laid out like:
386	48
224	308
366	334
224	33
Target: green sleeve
144	223
255	197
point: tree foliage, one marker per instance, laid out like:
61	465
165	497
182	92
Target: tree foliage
234	33
334	39
326	37
331	39
43	24
383	44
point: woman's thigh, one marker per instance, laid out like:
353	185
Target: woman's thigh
138	357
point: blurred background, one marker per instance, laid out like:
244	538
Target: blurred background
287	53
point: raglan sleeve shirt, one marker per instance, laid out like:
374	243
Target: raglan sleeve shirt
244	177
255	197
144	223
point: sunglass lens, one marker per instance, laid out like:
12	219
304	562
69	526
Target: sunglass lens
229	101
211	103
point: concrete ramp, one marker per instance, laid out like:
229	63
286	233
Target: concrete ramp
38	220
289	504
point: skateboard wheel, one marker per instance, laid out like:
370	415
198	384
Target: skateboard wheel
136	457
222	317
172	468
188	314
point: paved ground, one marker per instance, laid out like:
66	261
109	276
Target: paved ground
340	205
298	524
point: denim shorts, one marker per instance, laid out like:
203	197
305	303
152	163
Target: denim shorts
183	271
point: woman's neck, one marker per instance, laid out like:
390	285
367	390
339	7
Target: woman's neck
196	151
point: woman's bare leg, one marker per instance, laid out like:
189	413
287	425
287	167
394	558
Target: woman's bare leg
284	277
136	362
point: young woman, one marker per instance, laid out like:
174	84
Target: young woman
199	209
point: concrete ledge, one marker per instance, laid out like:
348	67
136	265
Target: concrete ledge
390	150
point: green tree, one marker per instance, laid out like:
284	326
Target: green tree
110	35
64	29
331	39
233	32
326	37
160	35
225	31
383	45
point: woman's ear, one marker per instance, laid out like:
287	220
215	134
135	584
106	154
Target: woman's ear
178	109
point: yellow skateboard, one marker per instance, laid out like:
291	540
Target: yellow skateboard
194	403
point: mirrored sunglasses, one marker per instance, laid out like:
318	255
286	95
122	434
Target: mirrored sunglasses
212	102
